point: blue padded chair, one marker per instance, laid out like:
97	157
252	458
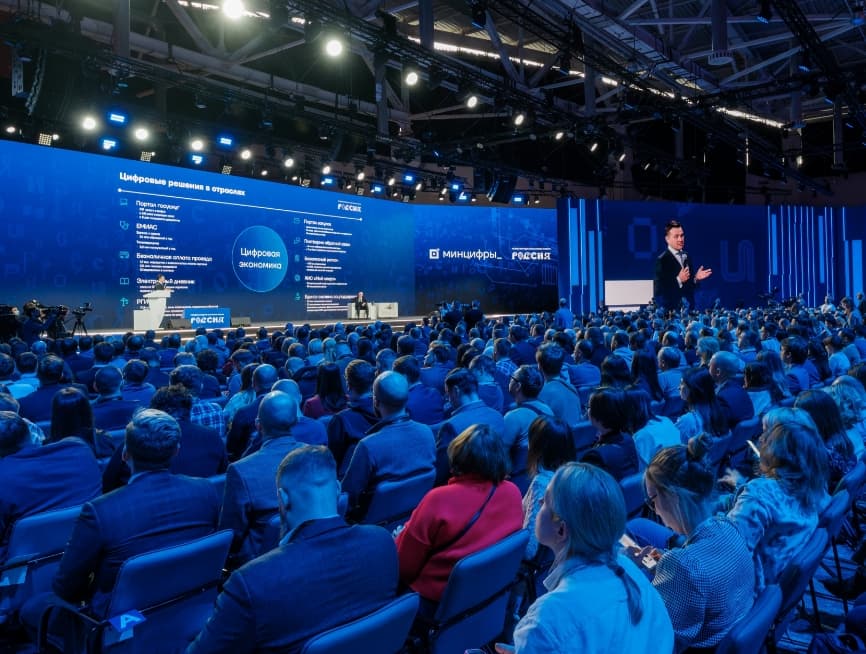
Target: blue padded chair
796	577
832	518
519	474
584	437
35	548
160	602
383	631
472	610
219	484
749	635
634	493
747	430
392	502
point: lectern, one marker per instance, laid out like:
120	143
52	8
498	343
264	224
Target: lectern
151	317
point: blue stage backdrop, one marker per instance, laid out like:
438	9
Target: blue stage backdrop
88	228
504	257
849	262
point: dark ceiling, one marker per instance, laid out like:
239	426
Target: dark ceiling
692	92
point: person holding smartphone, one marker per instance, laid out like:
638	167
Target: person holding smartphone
707	583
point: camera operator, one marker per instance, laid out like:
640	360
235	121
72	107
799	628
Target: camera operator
36	322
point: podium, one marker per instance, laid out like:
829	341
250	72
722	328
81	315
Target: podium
151	318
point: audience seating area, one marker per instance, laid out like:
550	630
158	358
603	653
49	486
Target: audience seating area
162	598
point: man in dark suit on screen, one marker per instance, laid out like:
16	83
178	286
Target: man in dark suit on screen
674	279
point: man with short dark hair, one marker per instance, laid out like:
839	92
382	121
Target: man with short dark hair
347	427
249	500
323	574
37	405
558	394
110	409
425	404
156	509
395	448
673	281
461	388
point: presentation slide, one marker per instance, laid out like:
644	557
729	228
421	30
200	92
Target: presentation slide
85	228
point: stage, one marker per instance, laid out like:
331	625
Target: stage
397	324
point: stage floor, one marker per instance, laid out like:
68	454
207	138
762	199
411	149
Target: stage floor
396	323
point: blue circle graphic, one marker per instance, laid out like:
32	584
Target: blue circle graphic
260	259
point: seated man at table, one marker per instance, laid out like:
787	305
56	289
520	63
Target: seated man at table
323	574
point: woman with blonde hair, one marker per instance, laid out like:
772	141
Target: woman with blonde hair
597	600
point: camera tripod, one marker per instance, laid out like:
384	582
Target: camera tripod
78	329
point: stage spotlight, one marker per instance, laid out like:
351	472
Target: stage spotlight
233	9
196	159
288	162
536	200
766	12
462	196
594	146
360	175
88	123
147	155
226	169
519	198
419	186
246	153
472	101
377	188
410	76
519	118
11	129
444	191
408	178
392	180
264	172
622	157
328	180
117	117
225	141
196	145
108	144
559	135
141	133
333	46
45	139
326	169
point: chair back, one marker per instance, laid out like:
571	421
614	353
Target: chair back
33	555
165	596
674	407
219	484
584	437
854	479
833	515
796	576
519	458
383	631
392	502
634	494
744	431
750	633
472	609
719	450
